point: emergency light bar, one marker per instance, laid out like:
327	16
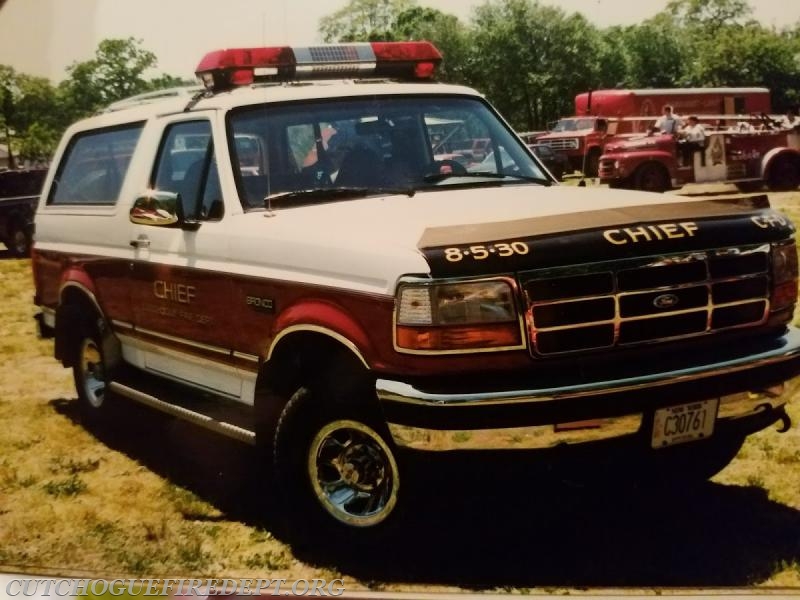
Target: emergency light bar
225	69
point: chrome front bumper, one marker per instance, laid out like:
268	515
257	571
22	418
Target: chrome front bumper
754	384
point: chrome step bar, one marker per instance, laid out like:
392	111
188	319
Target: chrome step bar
199	419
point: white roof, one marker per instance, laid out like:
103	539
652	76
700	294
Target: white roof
139	109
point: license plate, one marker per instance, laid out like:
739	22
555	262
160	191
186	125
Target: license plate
684	423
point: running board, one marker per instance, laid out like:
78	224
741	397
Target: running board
227	429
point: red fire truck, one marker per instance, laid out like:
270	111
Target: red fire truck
746	156
601	115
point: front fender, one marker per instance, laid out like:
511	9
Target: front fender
77	278
326	318
630	161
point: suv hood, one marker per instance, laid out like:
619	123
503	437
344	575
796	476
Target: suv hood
371	242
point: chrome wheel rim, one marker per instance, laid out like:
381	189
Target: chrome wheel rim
353	473
92	373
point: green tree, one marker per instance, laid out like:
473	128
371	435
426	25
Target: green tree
749	55
363	20
116	72
165	81
615	57
657	53
708	16
445	31
39	142
724	46
531	59
30	115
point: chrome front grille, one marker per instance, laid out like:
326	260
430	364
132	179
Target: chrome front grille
639	301
560	143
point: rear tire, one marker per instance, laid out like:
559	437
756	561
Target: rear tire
90	372
783	175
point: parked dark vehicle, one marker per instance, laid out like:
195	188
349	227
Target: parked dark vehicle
19	194
556	163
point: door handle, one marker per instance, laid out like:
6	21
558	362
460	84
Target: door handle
141	242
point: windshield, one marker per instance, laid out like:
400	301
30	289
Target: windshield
375	145
573	125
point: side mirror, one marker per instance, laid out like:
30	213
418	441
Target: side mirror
156	208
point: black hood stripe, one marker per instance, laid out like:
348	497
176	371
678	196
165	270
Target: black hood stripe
661	229
609	217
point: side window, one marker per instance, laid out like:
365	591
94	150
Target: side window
94	166
186	166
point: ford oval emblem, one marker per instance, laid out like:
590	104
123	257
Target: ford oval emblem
666	301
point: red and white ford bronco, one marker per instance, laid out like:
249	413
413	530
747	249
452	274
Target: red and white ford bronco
281	259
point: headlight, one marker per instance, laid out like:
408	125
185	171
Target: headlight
456	316
784	275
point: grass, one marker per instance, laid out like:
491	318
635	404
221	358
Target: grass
71	501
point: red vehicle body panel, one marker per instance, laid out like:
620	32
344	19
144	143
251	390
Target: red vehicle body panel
685	101
742	158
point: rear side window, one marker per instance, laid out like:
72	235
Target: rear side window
94	166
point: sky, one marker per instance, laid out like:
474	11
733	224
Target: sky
43	37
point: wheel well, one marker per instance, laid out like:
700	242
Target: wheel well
791	158
299	357
73	310
652	164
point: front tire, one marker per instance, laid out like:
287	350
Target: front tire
652	177
353	473
783	175
335	464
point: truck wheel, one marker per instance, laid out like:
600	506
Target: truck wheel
335	464
89	372
19	242
783	175
592	163
652	177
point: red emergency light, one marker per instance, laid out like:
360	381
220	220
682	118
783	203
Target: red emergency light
225	69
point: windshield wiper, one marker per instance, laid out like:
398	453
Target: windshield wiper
308	196
437	177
